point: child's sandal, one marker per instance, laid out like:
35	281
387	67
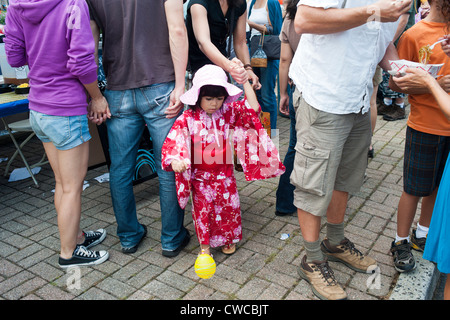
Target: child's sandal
229	249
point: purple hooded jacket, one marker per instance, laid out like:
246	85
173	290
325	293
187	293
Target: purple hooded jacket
55	39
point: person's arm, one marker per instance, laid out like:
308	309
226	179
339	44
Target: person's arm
401	26
426	80
390	54
446	44
202	35
175	151
179	51
409	85
260	27
251	96
286	56
14	42
98	108
241	49
96	34
325	21
412	85
81	63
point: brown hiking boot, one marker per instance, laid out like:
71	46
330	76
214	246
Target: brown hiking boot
346	253
322	280
395	113
383	108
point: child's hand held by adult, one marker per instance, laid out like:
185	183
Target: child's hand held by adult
237	71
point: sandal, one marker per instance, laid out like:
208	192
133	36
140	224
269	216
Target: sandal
229	249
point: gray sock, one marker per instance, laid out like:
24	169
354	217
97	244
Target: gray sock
313	251
335	233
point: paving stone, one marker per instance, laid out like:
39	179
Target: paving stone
24	288
116	288
96	294
46	271
162	291
264	267
50	292
253	289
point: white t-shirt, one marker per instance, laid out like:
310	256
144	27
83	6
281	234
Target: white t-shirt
334	71
259	16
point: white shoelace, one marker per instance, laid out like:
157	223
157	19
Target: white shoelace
90	233
83	252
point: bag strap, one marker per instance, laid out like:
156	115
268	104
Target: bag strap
261	41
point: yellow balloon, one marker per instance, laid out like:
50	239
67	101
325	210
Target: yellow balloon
205	266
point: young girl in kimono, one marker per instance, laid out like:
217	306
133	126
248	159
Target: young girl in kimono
198	150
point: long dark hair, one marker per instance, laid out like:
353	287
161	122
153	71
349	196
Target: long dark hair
210	91
291	9
444	7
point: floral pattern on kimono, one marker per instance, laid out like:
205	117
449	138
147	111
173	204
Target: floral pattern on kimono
216	208
256	152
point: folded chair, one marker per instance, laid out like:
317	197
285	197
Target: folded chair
22	126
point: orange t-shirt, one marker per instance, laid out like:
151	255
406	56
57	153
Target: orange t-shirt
425	115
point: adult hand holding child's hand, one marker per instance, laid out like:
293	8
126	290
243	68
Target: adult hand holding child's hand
237	71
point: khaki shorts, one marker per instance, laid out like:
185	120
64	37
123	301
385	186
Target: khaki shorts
331	154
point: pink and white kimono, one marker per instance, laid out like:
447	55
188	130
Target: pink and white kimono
203	142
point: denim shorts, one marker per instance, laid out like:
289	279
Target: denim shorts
65	132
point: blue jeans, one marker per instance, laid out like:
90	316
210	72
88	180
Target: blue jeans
266	95
131	110
285	191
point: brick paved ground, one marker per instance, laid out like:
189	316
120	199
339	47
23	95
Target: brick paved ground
263	267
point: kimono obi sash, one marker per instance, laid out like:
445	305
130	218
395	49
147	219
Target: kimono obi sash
220	172
210	155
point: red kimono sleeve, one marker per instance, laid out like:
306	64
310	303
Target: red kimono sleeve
257	153
177	147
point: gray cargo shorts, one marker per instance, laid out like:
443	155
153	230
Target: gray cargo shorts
331	154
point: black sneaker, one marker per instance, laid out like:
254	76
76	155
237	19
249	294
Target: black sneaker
84	257
403	258
418	244
174	253
92	238
371	152
135	247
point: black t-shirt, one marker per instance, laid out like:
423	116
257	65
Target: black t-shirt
219	28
